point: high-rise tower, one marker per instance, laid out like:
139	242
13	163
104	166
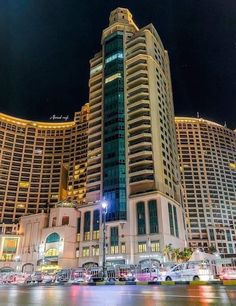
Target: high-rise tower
132	152
41	163
207	156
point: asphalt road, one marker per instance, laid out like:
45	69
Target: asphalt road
117	295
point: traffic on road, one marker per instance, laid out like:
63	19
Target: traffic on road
187	271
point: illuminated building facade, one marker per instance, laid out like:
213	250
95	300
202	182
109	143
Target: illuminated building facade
207	156
48	240
132	152
77	169
38	161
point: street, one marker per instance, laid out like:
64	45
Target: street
117	295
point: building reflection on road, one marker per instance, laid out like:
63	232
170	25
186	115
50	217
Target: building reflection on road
178	295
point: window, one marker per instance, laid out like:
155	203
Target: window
78	225
231	249
51	252
153	219
176	222
95	235
142	247
141	218
171	221
95	69
65	220
155	246
114	240
113	77
85	251
86	236
123	247
87	219
228	235
54	221
211	233
78	229
114	249
96	220
114	56
95	250
54	237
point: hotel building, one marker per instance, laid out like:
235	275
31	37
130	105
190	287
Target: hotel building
39	163
132	152
77	167
207	156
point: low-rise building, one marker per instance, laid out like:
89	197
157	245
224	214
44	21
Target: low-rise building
49	239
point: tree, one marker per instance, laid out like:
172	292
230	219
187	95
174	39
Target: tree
167	251
186	254
176	254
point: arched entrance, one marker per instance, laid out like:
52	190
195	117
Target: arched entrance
89	265
53	237
146	263
6	269
28	268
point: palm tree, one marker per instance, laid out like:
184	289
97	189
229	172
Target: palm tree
167	251
176	254
187	252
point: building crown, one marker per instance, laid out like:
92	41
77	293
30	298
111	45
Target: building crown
122	15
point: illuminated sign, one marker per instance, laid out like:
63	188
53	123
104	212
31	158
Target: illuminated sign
10	245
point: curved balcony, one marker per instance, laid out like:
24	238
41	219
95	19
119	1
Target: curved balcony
137	51
141	119
141	134
142	176
140	151
140	160
139	66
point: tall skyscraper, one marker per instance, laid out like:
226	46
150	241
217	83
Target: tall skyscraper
38	160
132	152
77	166
207	156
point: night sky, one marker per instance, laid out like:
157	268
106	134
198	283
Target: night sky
45	47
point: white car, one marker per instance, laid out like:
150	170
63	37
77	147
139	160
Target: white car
188	271
47	279
78	280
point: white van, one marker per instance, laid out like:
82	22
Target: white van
188	271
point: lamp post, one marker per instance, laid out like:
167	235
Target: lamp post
104	212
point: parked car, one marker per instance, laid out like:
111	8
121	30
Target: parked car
128	277
187	272
63	276
47	279
145	275
37	277
96	278
228	273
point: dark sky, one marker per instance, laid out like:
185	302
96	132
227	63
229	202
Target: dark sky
45	47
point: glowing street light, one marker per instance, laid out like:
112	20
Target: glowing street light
104	212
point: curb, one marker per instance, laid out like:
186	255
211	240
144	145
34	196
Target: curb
143	283
168	283
198	283
231	282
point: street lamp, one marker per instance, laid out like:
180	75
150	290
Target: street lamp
104	212
150	260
